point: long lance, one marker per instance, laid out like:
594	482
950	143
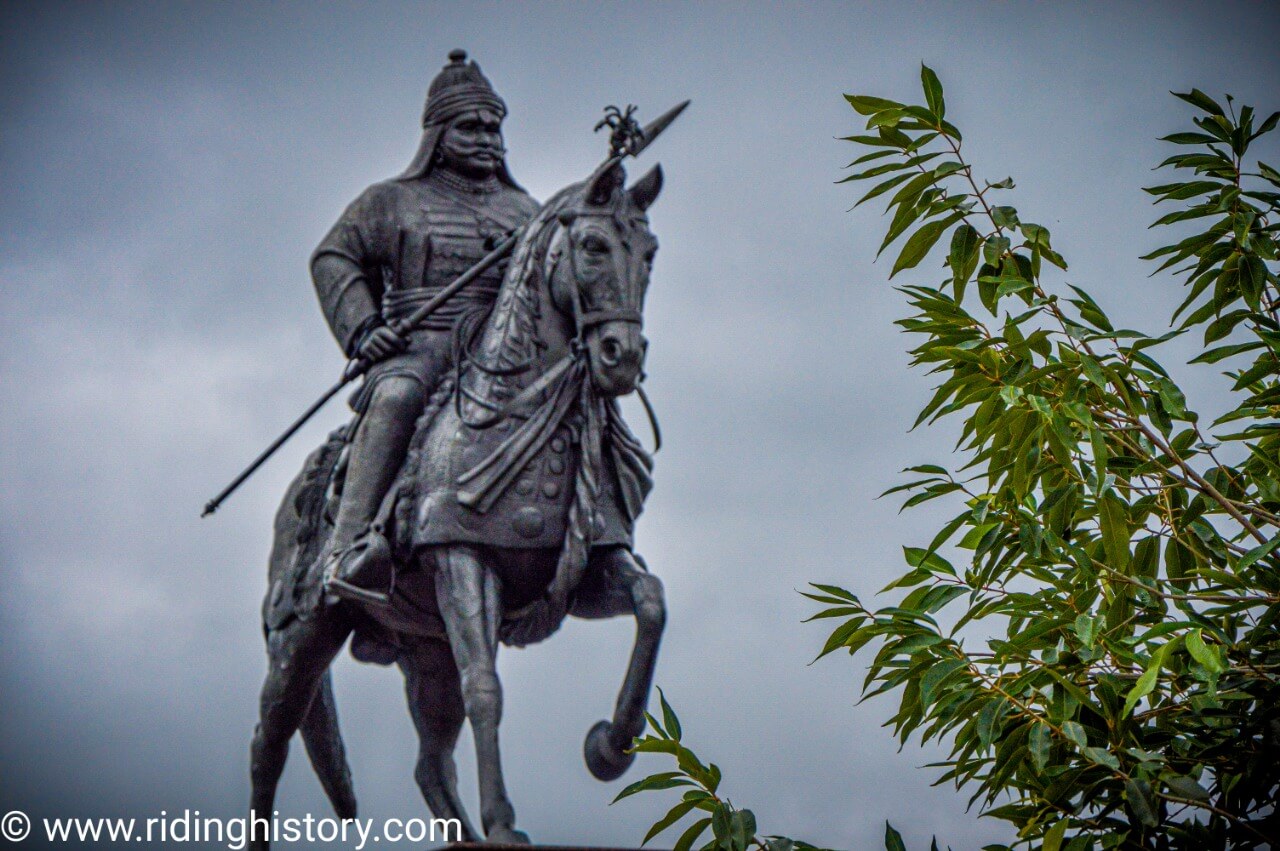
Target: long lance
358	366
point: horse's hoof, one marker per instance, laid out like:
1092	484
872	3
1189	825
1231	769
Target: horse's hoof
604	761
507	836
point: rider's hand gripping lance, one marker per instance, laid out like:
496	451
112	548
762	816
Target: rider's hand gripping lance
627	140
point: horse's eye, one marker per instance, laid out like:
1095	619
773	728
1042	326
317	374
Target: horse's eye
648	257
595	245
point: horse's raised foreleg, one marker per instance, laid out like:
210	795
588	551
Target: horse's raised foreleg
299	654
622	586
328	754
471	606
435	703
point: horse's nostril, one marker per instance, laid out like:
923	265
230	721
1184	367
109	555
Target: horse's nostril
610	351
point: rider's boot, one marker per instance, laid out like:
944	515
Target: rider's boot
358	563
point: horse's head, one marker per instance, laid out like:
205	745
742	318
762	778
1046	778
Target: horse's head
600	272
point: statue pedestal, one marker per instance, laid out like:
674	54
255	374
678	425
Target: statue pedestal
487	846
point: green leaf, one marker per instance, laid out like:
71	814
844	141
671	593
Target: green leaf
1102	756
721	826
1250	558
1114	519
686	840
835	591
841	636
994	249
1039	743
1141	801
1144	686
677	812
902	219
654	782
1195	97
1183	191
1202	653
932	91
1053	836
1004	217
1188	139
881	188
1073	731
876	171
989	720
1224	352
1185	787
669	719
1084	627
935	676
920	242
1267	126
652	744
868	105
966	245
892	839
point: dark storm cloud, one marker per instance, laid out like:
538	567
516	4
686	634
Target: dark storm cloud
167	169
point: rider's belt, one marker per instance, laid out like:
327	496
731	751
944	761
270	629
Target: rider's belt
398	304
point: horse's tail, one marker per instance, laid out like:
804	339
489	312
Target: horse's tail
301	528
328	755
311	500
300	534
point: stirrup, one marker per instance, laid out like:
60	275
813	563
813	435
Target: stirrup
344	590
338	575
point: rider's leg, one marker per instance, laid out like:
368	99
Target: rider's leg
377	451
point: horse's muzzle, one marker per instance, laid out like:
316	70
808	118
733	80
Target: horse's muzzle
617	350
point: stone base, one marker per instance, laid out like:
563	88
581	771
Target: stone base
486	846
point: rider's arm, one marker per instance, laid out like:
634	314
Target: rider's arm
346	269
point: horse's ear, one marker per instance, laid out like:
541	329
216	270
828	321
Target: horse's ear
645	190
604	183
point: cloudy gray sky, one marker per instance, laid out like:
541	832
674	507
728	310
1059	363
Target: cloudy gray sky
168	167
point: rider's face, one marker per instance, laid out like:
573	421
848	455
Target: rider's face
472	144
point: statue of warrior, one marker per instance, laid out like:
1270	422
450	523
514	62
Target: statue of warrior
395	247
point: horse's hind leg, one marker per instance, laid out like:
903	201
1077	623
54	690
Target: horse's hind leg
471	606
435	703
622	586
328	755
299	654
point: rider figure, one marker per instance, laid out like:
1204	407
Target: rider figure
394	248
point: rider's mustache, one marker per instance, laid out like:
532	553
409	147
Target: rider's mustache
482	147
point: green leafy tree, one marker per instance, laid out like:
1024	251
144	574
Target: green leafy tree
1116	555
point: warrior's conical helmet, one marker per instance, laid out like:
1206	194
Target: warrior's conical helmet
459	87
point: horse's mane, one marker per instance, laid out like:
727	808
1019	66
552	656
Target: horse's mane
510	336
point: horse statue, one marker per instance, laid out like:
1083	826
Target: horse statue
514	508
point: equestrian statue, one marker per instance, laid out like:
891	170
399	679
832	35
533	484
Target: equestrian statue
488	486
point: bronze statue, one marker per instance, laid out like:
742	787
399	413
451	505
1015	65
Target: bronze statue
400	243
519	485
